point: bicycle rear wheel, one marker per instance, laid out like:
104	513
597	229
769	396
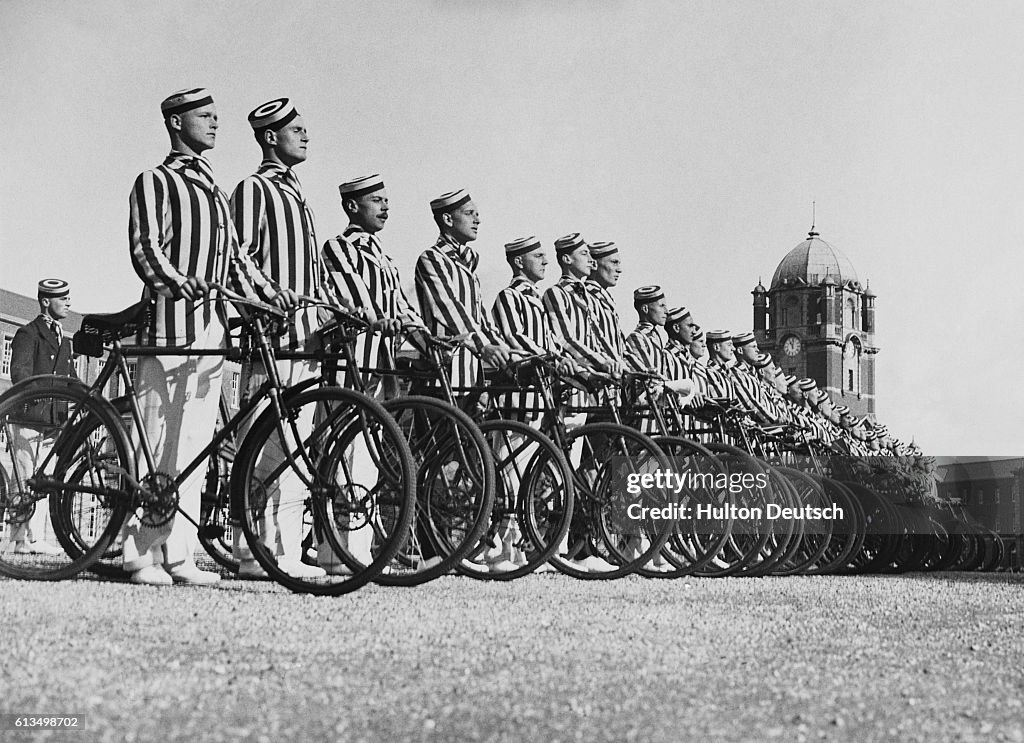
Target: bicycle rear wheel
455	488
334	465
69	455
609	455
532	505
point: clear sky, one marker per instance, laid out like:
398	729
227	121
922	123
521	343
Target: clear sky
695	135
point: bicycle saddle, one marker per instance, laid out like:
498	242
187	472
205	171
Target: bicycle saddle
106	328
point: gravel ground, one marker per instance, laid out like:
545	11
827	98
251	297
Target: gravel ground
546	658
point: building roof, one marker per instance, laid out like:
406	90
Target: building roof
812	262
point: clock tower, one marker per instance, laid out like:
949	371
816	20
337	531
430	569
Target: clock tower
818	321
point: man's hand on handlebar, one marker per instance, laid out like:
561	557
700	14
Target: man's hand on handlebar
496	354
194	288
285	300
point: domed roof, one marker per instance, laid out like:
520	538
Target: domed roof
811	262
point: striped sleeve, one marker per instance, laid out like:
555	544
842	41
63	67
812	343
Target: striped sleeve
443	296
248	214
510	321
146	230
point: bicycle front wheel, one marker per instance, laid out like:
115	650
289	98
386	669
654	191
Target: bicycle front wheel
70	469
325	491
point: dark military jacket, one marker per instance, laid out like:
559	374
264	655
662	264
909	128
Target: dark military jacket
35	350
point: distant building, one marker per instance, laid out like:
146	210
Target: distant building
818	321
988	488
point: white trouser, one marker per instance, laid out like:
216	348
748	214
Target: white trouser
282	525
29	447
179	398
358	541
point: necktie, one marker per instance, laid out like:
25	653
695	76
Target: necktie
56	328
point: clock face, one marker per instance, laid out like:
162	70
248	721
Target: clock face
849	350
791	346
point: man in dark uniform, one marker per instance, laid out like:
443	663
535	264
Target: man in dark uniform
39	348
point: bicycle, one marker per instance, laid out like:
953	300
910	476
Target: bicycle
89	475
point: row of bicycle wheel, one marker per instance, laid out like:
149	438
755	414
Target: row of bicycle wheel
414	489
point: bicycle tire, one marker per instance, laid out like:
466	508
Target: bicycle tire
540	506
77	451
455	486
340	420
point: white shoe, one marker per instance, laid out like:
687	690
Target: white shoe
251	570
298	569
593	564
152	575
658	567
545	567
190	575
336	568
37	548
428	563
502	566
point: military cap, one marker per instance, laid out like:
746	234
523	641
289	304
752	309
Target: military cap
568	243
53	289
521	246
646	295
602	249
185	100
451	200
273	115
361	186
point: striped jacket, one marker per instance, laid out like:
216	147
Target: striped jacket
180	226
275	228
521	320
606	316
646	349
747	386
570	314
450	301
360	271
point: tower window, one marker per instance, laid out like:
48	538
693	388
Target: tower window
849	382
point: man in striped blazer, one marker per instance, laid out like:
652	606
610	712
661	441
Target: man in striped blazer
571	313
605	273
361	273
181	238
569	306
276	230
449	290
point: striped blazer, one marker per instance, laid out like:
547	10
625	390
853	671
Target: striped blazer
359	271
606	316
569	312
180	226
450	302
520	318
645	349
275	228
